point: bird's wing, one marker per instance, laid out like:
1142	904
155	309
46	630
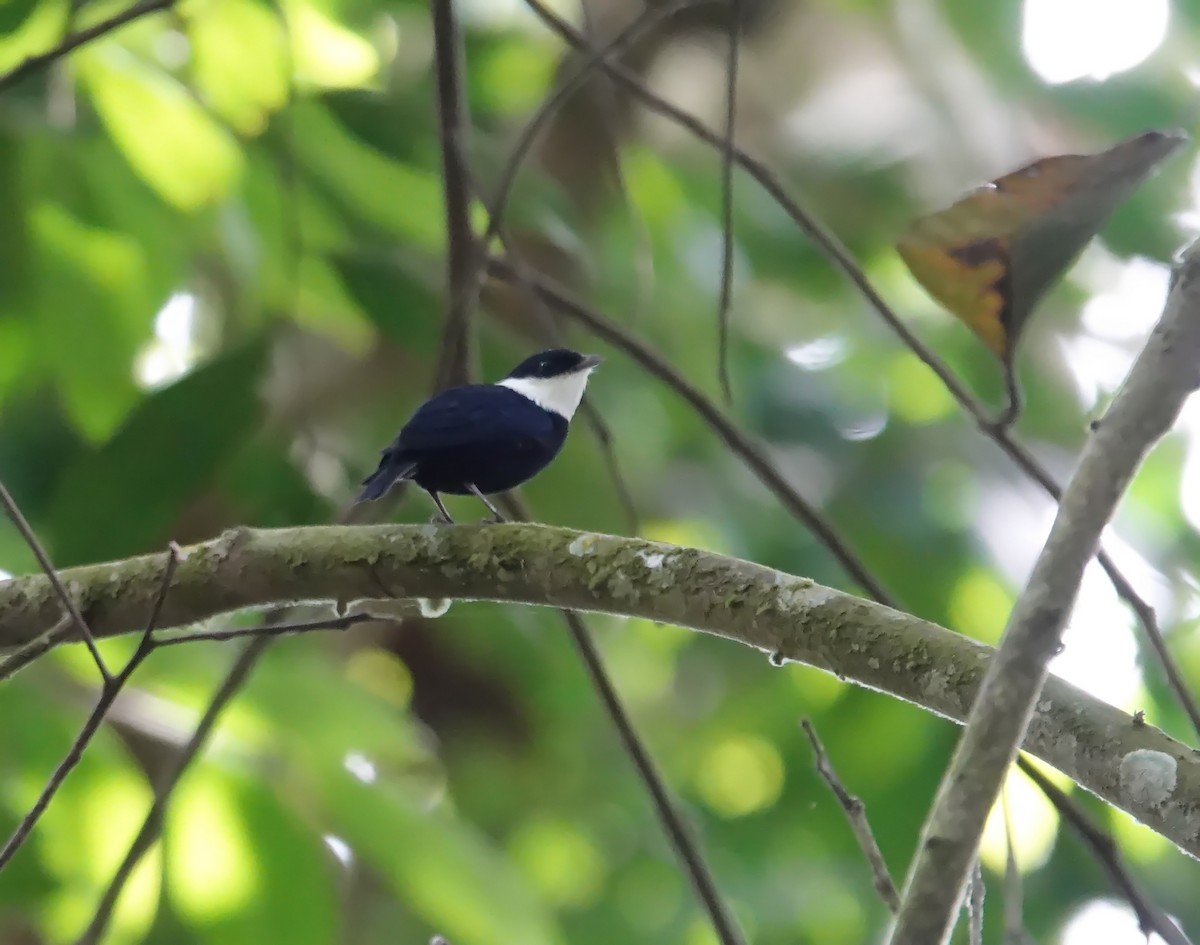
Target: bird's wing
464	415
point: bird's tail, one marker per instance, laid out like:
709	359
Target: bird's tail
392	467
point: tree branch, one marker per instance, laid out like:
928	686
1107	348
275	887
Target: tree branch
1165	373
777	613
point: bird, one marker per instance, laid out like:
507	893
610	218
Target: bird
480	439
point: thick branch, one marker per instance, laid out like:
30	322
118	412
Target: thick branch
775	612
1161	379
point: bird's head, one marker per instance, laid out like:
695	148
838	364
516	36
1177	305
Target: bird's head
554	379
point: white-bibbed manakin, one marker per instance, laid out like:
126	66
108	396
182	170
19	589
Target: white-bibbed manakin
481	439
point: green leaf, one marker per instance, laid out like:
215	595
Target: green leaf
14	13
237	859
402	307
267	487
123	499
325	53
94	309
383	192
459	884
239	61
167	137
41	27
15	274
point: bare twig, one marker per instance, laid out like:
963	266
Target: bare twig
856	814
271	630
591	414
33	63
686	847
642	247
151	827
43	643
826	242
110	689
456	359
727	244
1160	381
604	437
43	559
650	17
1151	919
841	258
740	443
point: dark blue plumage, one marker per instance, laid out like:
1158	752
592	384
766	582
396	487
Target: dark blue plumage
487	438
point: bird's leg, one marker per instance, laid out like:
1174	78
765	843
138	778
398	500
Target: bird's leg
499	516
437	500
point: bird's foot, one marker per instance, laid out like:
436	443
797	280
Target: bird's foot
437	519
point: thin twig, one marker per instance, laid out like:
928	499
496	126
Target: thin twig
642	247
43	559
608	450
151	827
828	244
590	412
456	358
650	17
33	63
840	257
740	443
1163	376
856	814
1150	917
727	244
109	690
28	653
271	630
686	847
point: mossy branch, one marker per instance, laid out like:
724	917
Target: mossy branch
777	613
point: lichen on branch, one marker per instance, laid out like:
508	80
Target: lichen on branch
789	617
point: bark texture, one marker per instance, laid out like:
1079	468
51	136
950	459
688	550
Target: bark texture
775	612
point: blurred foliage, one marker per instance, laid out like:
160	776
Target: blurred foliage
220	295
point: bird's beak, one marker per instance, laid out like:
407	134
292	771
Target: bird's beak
589	361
